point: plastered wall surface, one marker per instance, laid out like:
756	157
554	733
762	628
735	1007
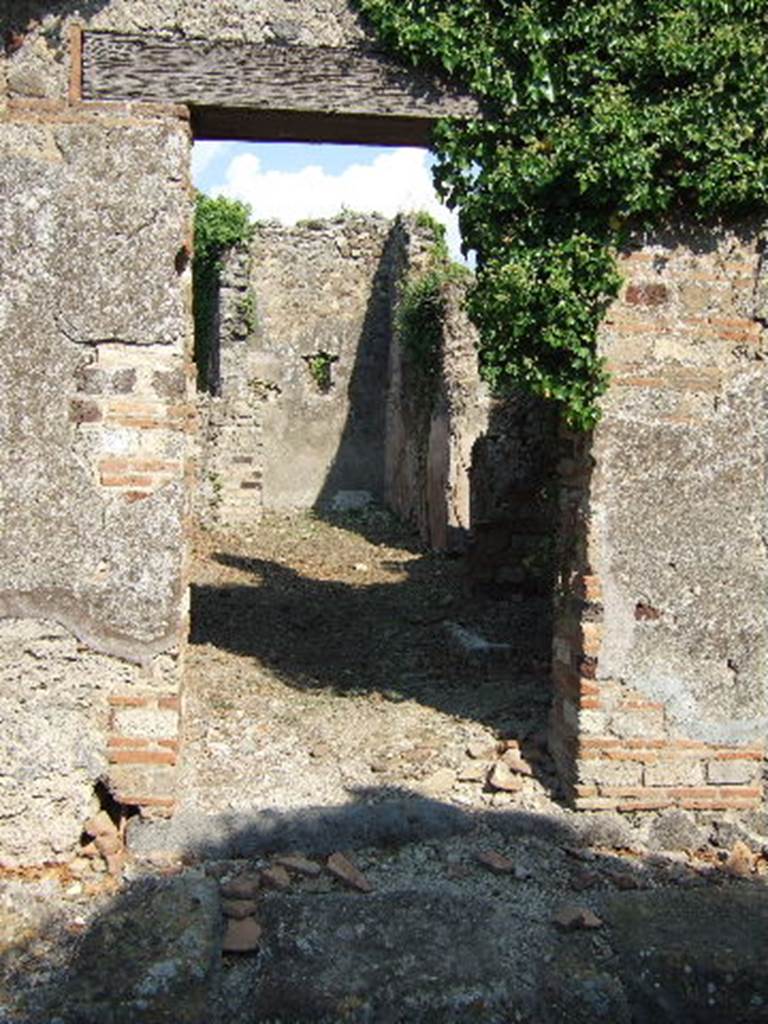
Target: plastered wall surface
95	222
661	651
323	306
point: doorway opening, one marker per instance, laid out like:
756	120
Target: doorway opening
371	611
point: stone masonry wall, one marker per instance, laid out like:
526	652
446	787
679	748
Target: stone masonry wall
95	332
93	424
472	472
274	436
322	295
432	424
660	659
513	486
230	464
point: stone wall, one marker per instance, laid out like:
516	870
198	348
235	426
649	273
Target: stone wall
36	62
94	454
433	421
513	500
299	371
228	488
660	652
323	307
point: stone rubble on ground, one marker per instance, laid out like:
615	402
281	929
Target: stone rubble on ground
242	935
571	917
276	877
497	862
301	865
502	777
343	869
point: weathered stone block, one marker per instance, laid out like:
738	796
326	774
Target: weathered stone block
675	773
732	772
146	722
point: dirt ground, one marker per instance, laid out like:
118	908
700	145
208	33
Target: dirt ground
348	695
333	657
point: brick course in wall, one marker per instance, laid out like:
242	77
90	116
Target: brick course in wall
683	342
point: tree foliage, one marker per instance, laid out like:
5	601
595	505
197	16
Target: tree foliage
600	117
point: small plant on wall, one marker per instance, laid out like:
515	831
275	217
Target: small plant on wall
319	365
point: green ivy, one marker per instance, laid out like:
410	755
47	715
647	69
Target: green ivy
220	224
421	308
600	118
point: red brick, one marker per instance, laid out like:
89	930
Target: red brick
601	743
139	465
588	688
126	741
646	294
621	792
719	804
148	801
141	757
640	705
128	702
694	792
590	703
126	480
75	92
645	804
169	703
594	803
639	756
679	744
581	790
747	754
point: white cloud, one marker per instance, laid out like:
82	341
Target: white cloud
203	155
395	182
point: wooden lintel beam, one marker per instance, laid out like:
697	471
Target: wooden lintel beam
247	125
239	90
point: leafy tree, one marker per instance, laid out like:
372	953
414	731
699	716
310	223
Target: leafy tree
600	117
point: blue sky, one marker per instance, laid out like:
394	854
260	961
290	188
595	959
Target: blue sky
295	181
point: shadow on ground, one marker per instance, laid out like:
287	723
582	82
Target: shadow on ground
440	938
420	637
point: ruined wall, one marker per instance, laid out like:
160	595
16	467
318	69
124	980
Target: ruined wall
434	418
322	294
93	427
300	370
473	472
660	657
229	449
38	66
513	500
